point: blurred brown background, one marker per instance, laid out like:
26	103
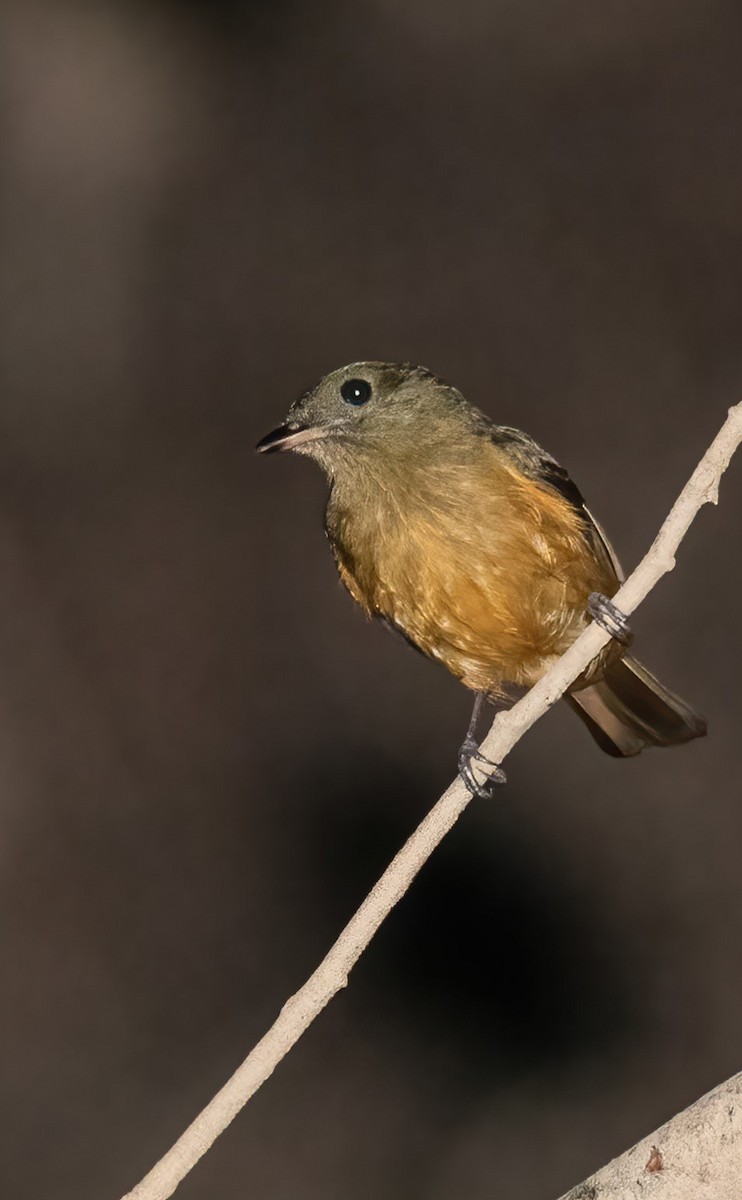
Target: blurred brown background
206	756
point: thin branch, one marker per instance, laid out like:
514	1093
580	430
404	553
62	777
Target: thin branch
695	1156
332	973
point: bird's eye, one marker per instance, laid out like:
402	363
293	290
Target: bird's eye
356	391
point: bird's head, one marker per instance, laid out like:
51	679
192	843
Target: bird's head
369	411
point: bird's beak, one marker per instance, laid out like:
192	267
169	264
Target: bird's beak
286	437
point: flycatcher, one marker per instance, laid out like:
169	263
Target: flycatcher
475	544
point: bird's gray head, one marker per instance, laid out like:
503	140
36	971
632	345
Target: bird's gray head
370	409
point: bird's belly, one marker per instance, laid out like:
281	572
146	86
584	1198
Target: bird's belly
486	639
493	583
491	620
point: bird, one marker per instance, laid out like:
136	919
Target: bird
470	540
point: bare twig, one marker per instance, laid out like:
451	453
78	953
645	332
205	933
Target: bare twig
508	728
695	1156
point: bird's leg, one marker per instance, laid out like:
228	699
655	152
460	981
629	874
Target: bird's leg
609	616
470	755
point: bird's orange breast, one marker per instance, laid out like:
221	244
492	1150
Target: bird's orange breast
485	570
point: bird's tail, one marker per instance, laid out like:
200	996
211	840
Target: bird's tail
629	709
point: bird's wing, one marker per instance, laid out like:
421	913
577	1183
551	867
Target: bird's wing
539	466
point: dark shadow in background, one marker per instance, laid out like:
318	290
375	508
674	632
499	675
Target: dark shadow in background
492	956
266	23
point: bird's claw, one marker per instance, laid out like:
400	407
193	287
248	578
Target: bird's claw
470	755
609	616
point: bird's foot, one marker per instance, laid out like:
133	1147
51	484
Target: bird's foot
470	756
609	616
